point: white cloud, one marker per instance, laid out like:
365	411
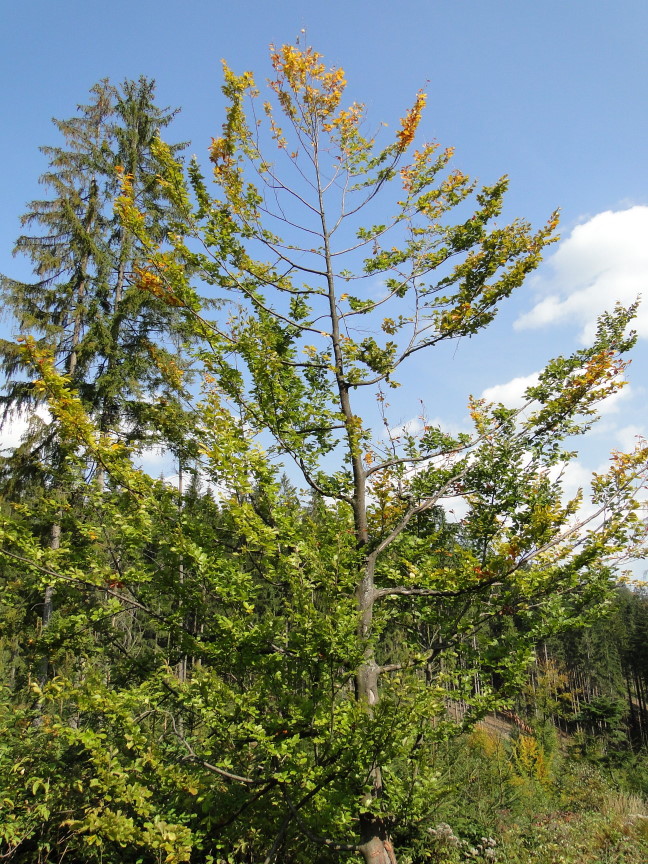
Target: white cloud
604	260
156	460
455	509
574	476
511	394
448	427
17	425
411	427
610	405
627	436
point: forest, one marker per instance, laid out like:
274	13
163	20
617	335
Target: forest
325	636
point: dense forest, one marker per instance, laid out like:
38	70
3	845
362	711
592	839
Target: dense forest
315	641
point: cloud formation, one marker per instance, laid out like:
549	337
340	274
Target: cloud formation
413	426
16	426
604	260
628	436
511	394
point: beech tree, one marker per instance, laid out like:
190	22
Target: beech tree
326	641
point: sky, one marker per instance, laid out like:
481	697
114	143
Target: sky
552	94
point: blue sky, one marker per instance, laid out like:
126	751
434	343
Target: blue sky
552	93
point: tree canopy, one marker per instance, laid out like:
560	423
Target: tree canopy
265	673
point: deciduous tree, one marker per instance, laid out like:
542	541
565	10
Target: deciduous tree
328	640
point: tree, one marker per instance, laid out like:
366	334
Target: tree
328	640
119	346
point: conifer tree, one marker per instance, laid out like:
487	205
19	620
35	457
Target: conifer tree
66	250
138	338
120	348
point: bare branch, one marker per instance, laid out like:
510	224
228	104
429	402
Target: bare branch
413	511
82	583
283	830
214	769
222	773
405	591
413	460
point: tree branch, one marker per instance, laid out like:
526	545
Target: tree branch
228	775
315	838
405	591
82	583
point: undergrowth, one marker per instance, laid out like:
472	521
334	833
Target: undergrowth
519	801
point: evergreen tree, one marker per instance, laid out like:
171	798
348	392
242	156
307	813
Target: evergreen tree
120	348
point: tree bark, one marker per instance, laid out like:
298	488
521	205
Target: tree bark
375	844
48	603
376	847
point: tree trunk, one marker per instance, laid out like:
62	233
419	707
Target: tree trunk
375	844
55	531
48	603
376	847
184	660
109	411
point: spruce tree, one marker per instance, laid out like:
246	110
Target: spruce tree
118	346
115	344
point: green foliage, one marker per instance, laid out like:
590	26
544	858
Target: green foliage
229	673
119	345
